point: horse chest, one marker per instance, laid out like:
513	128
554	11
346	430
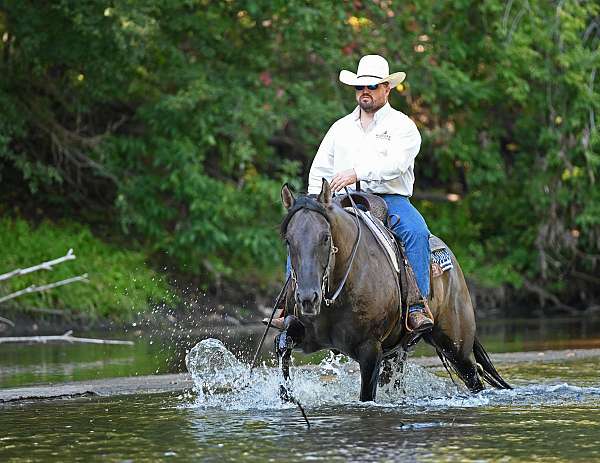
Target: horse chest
343	330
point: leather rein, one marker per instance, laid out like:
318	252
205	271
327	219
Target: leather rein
313	205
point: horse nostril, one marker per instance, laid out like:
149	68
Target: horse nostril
307	300
308	308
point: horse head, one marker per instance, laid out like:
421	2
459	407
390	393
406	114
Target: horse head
306	230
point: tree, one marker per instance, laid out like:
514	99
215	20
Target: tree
185	118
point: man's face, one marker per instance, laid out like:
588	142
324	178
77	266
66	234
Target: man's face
372	100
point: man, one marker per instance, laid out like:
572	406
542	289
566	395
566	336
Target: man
377	145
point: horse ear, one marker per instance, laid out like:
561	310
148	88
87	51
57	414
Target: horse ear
325	197
287	197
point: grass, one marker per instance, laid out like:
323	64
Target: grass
121	284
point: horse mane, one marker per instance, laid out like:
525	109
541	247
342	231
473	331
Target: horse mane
302	202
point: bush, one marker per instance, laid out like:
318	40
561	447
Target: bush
120	281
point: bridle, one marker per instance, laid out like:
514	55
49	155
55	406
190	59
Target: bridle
306	202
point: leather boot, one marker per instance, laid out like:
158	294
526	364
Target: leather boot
277	321
418	321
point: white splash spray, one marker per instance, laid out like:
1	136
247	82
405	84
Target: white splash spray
222	381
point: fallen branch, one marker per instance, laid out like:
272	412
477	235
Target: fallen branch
67	337
6	321
44	265
547	296
37	289
586	277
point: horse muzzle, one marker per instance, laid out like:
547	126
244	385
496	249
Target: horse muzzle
309	302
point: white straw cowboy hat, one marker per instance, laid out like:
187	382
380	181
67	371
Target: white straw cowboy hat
372	69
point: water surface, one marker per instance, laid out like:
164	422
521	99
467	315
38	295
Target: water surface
164	351
431	419
551	415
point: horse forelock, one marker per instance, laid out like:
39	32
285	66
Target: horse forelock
303	202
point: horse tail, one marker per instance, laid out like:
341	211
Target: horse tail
486	367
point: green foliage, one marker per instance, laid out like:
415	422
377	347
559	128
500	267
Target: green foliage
120	282
187	116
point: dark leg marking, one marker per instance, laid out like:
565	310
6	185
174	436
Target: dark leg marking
460	360
369	358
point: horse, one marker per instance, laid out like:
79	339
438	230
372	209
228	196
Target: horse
329	247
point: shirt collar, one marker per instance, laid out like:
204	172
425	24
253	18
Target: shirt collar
379	115
382	112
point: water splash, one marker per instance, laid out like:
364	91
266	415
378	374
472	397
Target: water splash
222	381
214	368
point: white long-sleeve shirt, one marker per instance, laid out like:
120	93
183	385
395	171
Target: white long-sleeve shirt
383	155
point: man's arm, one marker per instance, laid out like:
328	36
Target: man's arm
322	165
403	149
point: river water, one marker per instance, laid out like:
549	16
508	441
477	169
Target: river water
551	415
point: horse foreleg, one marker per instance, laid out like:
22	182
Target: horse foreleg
369	358
283	348
291	336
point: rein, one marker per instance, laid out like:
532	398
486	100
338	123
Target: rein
329	302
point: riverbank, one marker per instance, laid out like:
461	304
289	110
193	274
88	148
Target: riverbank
156	384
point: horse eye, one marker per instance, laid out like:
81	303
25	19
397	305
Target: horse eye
325	239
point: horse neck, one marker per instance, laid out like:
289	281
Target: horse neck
343	234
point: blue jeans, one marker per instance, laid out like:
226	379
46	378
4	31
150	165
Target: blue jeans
408	225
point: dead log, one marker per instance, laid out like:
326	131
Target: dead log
67	337
43	266
37	289
6	321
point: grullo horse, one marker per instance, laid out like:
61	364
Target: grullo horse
331	248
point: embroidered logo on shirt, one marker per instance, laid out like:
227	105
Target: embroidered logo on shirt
383	136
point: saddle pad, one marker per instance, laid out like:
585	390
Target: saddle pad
442	258
440	253
380	233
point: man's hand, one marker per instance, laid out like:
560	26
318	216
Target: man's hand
342	179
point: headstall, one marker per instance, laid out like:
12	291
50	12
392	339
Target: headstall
306	202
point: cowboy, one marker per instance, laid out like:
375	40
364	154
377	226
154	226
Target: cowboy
377	145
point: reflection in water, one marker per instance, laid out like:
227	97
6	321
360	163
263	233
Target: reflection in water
551	415
164	428
514	335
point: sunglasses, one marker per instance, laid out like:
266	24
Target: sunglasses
362	87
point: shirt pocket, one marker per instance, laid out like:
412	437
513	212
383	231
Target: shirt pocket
382	147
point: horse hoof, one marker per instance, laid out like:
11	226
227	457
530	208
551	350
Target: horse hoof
284	394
